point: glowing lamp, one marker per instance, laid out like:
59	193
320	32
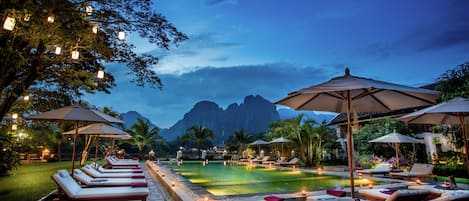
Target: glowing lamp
89	10
121	35
9	23
173	184
26	98
206	199
417	181
14	116
100	74
14	127
27	17
303	192
94	29
75	54
370	186
58	50
51	19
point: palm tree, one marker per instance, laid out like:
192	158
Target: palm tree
143	135
198	134
239	140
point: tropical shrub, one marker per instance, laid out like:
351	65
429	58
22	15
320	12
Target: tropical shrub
9	158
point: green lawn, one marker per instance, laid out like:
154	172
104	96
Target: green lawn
30	181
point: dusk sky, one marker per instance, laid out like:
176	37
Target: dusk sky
270	48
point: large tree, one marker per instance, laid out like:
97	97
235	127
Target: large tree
39	39
454	82
198	134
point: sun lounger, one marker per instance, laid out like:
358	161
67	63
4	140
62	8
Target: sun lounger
393	195
292	162
418	170
88	181
117	170
382	168
96	174
458	195
118	163
73	191
265	158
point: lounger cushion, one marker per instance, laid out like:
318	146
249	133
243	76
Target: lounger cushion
335	192
410	194
273	198
139	184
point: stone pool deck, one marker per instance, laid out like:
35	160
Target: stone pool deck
164	185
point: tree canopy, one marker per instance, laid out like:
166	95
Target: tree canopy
52	50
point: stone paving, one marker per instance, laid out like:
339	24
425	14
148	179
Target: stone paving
157	191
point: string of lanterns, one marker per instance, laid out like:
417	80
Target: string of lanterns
10	23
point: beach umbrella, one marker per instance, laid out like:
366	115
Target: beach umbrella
258	143
281	141
396	139
76	114
454	111
100	130
344	93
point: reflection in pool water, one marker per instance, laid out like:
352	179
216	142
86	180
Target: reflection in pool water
220	179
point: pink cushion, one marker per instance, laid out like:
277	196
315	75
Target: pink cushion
139	184
334	192
273	198
138	177
134	158
388	192
137	171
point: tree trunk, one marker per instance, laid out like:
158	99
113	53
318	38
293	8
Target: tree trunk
84	154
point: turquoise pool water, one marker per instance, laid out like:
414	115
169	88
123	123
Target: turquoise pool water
220	179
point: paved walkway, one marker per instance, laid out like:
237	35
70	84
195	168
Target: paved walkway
157	191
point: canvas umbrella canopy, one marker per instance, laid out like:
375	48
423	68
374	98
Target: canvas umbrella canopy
344	93
396	139
101	130
258	143
281	141
76	114
454	111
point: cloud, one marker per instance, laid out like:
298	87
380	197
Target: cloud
218	2
221	85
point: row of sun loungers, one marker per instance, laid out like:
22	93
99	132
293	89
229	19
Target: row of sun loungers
103	184
418	170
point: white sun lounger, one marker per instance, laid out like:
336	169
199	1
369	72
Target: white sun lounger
119	163
73	191
383	168
96	174
118	170
88	181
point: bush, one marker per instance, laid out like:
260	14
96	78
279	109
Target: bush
451	169
9	157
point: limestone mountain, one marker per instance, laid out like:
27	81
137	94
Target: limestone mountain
254	115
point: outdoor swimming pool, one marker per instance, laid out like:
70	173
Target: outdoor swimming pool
225	180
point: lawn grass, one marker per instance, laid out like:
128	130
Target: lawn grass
30	181
459	180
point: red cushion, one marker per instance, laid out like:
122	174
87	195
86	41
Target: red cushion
273	198
139	184
389	192
138	176
134	158
334	192
137	171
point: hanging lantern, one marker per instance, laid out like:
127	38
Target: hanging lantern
100	74
89	10
51	19
14	115
9	23
14	127
27	17
94	29
75	54
121	35
58	50
26	98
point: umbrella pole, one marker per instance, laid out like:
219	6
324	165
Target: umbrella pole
396	147
463	132
349	145
74	146
96	153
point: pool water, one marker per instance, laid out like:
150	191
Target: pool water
220	179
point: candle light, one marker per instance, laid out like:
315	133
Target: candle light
417	181
370	186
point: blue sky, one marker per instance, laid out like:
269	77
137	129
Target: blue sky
271	47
